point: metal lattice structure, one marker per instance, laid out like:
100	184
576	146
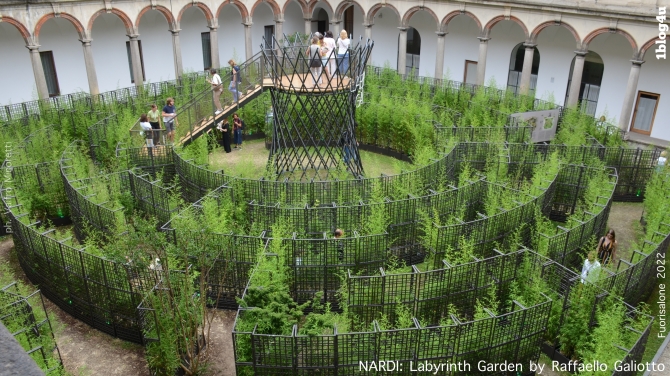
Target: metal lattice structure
314	113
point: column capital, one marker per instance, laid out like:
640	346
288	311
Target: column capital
86	42
247	24
133	36
368	26
637	62
581	53
175	31
403	28
441	33
33	47
483	39
307	19
212	28
530	45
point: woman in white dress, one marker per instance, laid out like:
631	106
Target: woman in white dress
329	54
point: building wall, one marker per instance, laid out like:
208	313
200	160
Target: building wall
60	37
19	86
231	35
110	53
514	21
654	78
193	24
156	47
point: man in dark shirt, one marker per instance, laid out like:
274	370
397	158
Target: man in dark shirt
169	118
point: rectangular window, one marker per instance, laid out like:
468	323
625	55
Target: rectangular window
50	75
645	112
130	60
269	32
470	75
348	22
206	50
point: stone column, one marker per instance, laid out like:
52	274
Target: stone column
135	59
279	32
629	98
308	25
335	27
38	71
526	71
439	57
176	53
247	40
368	35
402	50
90	67
576	80
481	63
214	47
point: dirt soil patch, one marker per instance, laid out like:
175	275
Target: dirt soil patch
625	220
85	351
221	351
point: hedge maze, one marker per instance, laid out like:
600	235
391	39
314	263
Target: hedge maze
473	255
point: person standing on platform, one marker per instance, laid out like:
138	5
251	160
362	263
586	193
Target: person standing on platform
146	128
217	89
343	43
154	119
169	119
224	128
329	48
315	66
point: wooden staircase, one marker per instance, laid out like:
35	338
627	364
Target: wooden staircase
210	122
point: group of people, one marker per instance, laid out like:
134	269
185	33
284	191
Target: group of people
151	126
224	128
321	56
217	85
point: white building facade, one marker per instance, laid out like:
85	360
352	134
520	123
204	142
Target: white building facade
615	49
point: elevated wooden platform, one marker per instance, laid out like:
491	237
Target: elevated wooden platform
291	83
295	83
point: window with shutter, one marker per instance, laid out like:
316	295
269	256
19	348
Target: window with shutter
50	75
206	50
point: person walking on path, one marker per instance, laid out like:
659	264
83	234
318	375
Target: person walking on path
224	127
238	125
169	119
217	89
607	248
154	119
235	79
590	268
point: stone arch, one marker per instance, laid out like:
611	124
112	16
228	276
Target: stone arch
645	47
204	8
22	29
124	18
536	32
240	7
495	20
74	21
303	6
375	8
164	11
276	10
411	11
603	30
341	7
313	3
445	21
